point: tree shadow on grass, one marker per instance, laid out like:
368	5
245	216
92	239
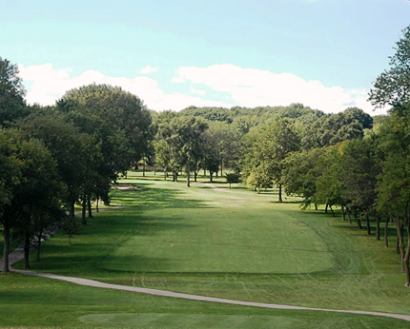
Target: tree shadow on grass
156	198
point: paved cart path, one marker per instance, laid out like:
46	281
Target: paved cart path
164	293
18	254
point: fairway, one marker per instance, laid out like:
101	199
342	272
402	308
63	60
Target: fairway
209	240
208	231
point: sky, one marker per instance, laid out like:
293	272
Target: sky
324	54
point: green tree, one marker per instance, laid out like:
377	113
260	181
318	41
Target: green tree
36	200
30	188
394	184
119	109
232	178
276	141
10	177
12	103
187	139
392	87
301	174
73	151
359	170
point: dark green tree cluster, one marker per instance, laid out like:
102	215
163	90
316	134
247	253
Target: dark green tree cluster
54	157
366	173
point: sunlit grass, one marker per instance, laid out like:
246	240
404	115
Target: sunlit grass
229	243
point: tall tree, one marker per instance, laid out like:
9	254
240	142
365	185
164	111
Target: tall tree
392	87
119	109
10	177
276	141
73	151
12	103
29	186
187	138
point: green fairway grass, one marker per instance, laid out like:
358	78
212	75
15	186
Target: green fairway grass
197	231
228	243
30	302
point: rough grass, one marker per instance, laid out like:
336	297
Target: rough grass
222	243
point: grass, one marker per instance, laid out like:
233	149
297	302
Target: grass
228	243
30	302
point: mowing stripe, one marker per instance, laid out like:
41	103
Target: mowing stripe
164	293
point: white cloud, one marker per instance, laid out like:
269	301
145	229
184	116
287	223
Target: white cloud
198	91
48	84
235	86
148	70
252	87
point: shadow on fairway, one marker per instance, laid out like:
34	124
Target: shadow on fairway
158	198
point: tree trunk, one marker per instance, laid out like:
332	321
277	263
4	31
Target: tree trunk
195	176
143	169
90	212
407	256
188	172
377	227
165	174
315	206
83	219
369	232
6	251
72	212
27	251
331	209
204	172
221	167
327	205
399	229
343	213
357	219
348	215
280	193
97	204
210	176
386	232
39	237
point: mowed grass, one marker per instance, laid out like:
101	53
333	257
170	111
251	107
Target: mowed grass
196	231
30	302
228	243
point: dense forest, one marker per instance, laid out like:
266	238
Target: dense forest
54	157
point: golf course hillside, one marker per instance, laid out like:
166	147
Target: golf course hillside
207	240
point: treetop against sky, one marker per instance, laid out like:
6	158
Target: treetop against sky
174	54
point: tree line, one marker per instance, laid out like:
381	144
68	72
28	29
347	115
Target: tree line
54	157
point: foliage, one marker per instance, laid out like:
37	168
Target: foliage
119	109
12	103
232	178
392	87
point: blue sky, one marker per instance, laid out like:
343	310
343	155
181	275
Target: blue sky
173	54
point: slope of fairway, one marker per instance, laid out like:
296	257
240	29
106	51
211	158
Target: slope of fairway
230	243
204	231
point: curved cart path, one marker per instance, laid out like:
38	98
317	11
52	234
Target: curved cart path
18	254
164	293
